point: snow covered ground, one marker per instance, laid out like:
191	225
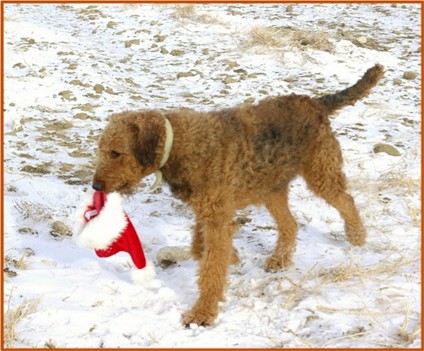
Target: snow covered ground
68	66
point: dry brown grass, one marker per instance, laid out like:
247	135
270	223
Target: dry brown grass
37	212
184	11
286	38
190	13
354	269
403	333
14	316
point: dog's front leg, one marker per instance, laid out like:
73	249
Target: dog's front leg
213	266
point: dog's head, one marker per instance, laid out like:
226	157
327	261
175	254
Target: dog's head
130	148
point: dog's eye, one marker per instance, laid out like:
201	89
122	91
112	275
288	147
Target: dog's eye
115	154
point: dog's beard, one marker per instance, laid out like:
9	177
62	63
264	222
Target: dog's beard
126	189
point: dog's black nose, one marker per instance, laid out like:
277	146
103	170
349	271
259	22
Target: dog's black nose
97	186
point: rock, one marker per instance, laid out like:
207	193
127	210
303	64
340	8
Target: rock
240	71
362	39
19	65
170	255
87	107
60	229
110	91
81	115
229	80
129	43
164	51
29	252
111	25
78	82
397	81
177	52
9	273
289	8
98	88
185	74
409	75
159	38
386	148
66	94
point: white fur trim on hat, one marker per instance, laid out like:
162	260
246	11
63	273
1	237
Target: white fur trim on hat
107	227
140	276
80	223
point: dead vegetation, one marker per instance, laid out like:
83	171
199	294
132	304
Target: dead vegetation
286	38
353	269
14	316
186	13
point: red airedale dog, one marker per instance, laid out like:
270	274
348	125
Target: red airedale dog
222	161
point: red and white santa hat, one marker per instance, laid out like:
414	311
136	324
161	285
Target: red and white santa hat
103	225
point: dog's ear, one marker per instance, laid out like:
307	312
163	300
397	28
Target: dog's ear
146	143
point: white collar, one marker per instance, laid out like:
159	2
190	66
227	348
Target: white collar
169	139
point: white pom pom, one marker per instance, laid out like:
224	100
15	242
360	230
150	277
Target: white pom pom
140	276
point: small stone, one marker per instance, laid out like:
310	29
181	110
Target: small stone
397	81
240	71
87	107
386	148
229	80
19	65
25	230
129	43
289	8
10	273
185	74
362	39
81	115
110	91
111	25
409	75
169	255
29	252
76	82
249	100
159	38
177	52
98	88
164	51
66	94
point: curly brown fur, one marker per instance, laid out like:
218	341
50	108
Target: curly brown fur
225	160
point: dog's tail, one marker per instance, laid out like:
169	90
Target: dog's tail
349	96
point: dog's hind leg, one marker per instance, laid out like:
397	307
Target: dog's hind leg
277	205
323	173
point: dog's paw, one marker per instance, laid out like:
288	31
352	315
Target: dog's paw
356	234
274	264
201	317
